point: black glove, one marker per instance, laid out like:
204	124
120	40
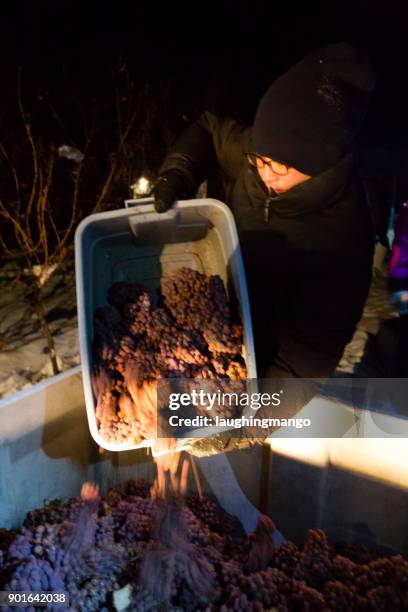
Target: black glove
170	186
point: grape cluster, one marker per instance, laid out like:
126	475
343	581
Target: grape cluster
77	556
184	570
127	490
214	517
385	598
314	564
132	520
358	574
54	511
123	295
186	333
356	552
120	431
187	556
339	596
306	598
200	303
109	328
287	557
401	571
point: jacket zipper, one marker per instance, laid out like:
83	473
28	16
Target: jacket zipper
267	209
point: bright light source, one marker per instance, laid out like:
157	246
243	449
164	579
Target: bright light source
140	188
382	459
313	451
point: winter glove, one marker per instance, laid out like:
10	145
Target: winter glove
170	186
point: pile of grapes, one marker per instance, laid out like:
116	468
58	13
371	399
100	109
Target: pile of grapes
186	556
187	332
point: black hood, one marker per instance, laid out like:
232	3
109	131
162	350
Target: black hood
310	115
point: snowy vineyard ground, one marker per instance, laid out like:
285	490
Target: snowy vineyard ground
24	356
24	353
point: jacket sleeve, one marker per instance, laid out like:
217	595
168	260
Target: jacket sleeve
204	145
192	155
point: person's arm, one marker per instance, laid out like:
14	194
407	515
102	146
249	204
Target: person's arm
189	161
203	145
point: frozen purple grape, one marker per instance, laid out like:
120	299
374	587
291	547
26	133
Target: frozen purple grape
184	555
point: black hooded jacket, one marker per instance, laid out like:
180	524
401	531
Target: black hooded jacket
307	253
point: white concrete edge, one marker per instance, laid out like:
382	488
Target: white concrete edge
40	386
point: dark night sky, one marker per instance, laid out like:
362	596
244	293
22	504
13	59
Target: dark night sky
159	39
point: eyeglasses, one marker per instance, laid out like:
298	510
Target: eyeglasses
259	162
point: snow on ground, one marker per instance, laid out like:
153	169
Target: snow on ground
373	344
24	356
24	353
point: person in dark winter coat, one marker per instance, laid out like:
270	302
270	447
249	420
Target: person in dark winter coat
304	227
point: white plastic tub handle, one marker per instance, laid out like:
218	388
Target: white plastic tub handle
138	202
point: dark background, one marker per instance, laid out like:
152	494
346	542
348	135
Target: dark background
222	50
249	44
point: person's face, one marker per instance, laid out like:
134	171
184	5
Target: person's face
277	176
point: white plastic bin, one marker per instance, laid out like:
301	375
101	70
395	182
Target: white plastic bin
140	245
357	490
